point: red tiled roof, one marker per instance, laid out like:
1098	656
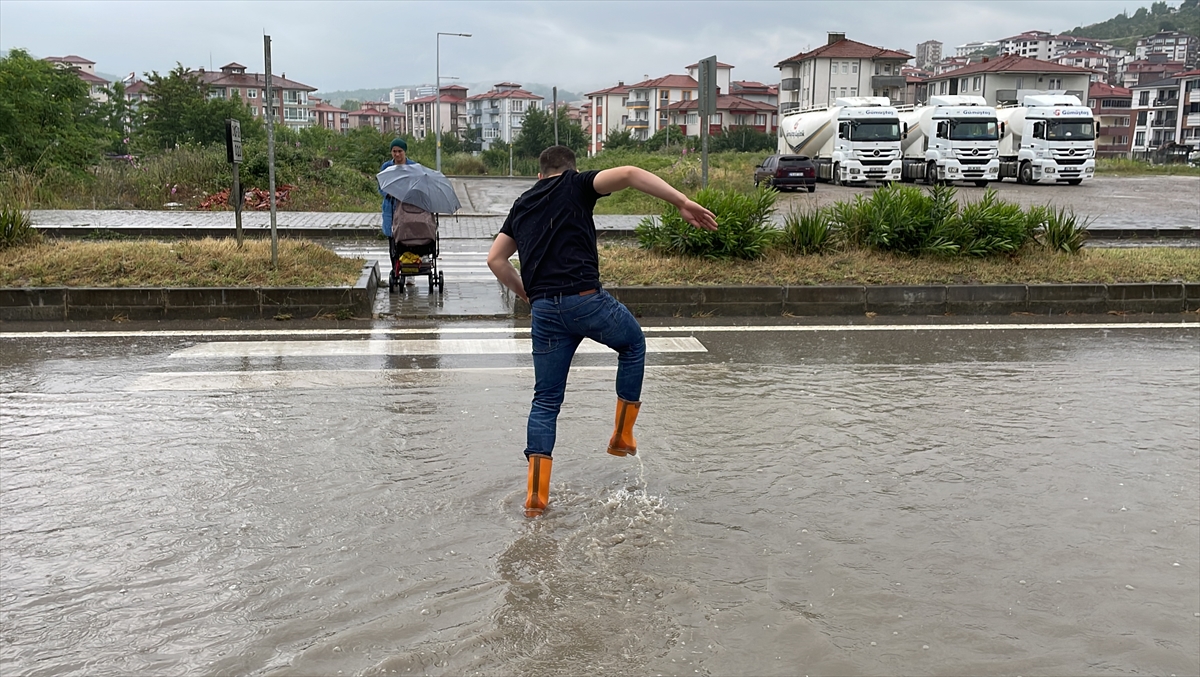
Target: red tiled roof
848	49
327	108
445	87
250	80
619	89
1188	74
1098	89
71	58
682	81
232	65
93	79
724	102
1012	63
136	87
748	84
719	65
509	94
430	99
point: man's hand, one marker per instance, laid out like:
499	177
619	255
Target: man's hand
698	216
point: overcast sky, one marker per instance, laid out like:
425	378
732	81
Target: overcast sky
578	46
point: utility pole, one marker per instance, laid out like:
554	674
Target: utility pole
437	95
554	94
271	150
706	107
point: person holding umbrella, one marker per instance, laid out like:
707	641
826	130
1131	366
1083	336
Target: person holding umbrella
551	228
399	157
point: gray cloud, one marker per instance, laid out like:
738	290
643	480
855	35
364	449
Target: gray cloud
579	46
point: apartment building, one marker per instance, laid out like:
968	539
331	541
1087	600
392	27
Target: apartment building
1004	80
732	111
755	91
974	48
648	102
380	116
1032	45
1153	69
500	113
1166	112
1111	107
608	114
1093	61
329	116
422	113
916	86
1173	45
839	68
289	103
86	70
402	95
928	53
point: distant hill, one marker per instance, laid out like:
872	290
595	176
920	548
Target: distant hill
338	97
1124	29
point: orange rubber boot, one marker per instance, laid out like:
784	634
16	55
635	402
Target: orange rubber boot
622	442
538	494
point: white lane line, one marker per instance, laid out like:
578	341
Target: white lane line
524	331
313	378
505	346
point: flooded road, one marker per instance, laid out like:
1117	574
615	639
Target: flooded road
806	500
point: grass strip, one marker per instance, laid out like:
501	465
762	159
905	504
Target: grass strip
625	265
186	263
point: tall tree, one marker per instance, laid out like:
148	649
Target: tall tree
179	111
47	117
537	134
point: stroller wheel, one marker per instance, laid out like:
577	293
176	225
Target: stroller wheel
432	283
392	283
441	282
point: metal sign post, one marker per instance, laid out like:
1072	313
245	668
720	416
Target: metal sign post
271	149
707	107
233	149
554	94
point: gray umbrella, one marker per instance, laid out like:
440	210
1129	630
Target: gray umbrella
419	186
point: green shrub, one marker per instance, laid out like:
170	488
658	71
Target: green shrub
991	226
808	232
463	164
1063	231
744	227
16	229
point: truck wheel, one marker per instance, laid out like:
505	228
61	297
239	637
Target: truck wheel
930	173
981	184
1026	175
837	175
1074	182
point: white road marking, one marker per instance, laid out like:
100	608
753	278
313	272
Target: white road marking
504	346
524	331
316	378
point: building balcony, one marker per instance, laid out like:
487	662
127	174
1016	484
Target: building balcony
1169	123
790	84
788	106
1116	131
888	81
1192	120
1166	103
1193	96
638	104
638	124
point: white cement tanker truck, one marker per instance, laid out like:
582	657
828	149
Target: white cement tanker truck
854	141
1050	137
953	138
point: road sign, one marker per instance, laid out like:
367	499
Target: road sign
708	86
233	141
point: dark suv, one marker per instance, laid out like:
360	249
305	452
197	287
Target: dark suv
787	171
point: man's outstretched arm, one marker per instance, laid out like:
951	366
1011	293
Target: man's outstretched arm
503	247
620	178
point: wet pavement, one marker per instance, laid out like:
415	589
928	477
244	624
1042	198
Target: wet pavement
875	499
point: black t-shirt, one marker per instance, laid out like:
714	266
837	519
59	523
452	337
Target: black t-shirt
556	236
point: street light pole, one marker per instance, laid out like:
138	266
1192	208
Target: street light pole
437	94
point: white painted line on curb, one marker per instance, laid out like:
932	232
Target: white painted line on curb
506	346
524	331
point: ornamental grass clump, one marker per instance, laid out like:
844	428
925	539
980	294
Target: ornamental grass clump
1063	231
744	227
16	229
810	231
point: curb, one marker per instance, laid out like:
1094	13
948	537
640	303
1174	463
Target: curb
1006	299
188	303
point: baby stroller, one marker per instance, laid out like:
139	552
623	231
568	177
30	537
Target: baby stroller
414	247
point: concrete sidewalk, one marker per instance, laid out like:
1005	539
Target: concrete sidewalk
80	223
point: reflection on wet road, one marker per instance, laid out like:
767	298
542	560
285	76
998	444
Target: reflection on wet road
808	500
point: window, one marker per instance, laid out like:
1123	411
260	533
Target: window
518	106
845	67
1143	99
962	85
854	67
1123	121
854	91
842	91
976	82
687	95
1020	83
234	91
625	101
1055	83
760	119
942	87
832	95
1139	139
251	93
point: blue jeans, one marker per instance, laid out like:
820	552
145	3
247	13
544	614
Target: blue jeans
559	324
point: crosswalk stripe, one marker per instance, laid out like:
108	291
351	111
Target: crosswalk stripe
500	346
384	379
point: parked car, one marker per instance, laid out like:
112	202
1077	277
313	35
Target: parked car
785	172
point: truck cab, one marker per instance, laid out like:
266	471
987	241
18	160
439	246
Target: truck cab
1049	137
958	140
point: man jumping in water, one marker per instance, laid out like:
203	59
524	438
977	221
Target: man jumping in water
551	228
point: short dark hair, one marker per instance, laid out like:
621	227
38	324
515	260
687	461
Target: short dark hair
556	160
